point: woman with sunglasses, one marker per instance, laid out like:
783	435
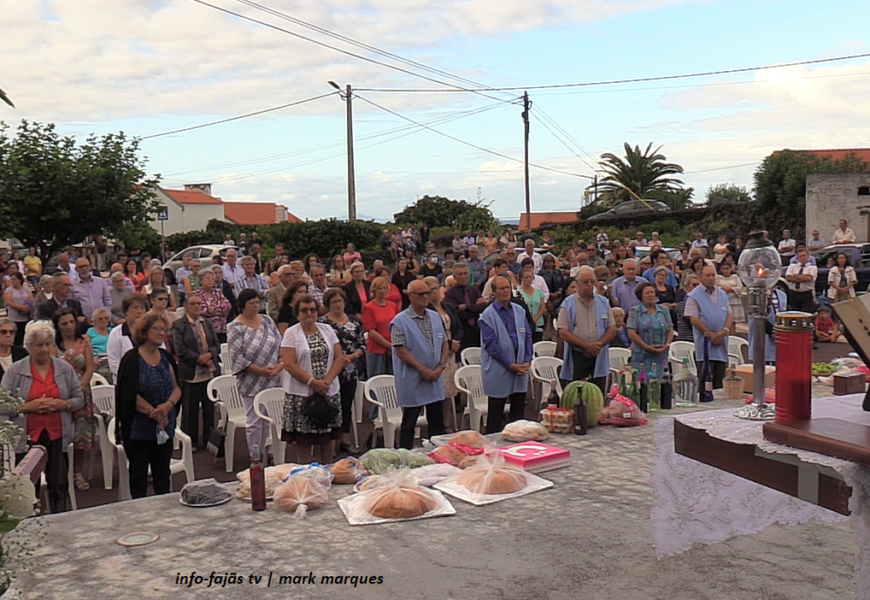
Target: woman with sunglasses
9	352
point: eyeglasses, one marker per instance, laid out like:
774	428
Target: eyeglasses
7	332
161	298
307	311
159	329
419	293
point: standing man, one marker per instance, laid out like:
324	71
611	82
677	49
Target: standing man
184	270
32	267
91	292
592	258
786	247
258	258
624	287
700	242
529	252
801	277
794	259
232	271
469	303
318	287
243	243
660	259
844	235
586	326
467	242
506	356
639	240
229	241
477	266
274	295
64	266
252	281
420	353
425	234
62	288
708	310
816	242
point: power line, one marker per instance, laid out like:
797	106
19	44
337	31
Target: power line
561	141
475	146
236	118
624	81
720	168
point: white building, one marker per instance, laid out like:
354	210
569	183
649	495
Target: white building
189	209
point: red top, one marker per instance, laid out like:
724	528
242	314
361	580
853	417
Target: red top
377	317
37	422
824	325
395	296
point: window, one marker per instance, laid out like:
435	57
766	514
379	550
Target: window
864	190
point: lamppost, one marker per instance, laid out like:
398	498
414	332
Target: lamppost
759	268
347	96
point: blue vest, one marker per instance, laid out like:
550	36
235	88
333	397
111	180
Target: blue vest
777	305
714	317
602	361
411	390
498	382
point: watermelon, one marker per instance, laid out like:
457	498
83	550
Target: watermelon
589	394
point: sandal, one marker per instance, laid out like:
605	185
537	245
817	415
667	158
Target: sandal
81	484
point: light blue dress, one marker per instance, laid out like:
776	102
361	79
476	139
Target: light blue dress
653	330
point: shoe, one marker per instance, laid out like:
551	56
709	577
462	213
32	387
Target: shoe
349	448
81	484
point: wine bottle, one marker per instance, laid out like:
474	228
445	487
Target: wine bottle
258	481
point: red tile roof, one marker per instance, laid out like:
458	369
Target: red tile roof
192	197
539	219
256	213
291	218
839	154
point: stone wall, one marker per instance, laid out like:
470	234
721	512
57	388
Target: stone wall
838	196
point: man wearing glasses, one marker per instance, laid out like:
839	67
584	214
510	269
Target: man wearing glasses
91	292
593	260
420	353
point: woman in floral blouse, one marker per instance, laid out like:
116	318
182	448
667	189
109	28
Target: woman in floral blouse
215	306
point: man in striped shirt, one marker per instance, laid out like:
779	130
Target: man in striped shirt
251	281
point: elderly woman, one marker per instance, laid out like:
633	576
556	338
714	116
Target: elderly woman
50	391
157	281
286	315
121	338
117	293
9	353
196	345
338	275
254	343
351	336
376	318
19	305
358	291
160	299
651	332
731	284
146	398
312	355
621	340
46	292
98	336
226	287
191	282
215	306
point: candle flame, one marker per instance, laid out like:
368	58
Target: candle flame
761	271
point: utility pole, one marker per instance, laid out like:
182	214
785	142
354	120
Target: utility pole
347	96
527	106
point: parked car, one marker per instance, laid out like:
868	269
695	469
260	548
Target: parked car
630	208
642	251
859	259
205	254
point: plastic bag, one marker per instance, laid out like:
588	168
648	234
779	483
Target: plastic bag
558	420
381	460
399	497
469	438
313	471
453	453
279	471
207	492
523	431
272	483
300	494
491	475
347	471
769	396
623	412
431	474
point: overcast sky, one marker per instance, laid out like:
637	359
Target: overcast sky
150	66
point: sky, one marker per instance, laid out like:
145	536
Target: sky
147	67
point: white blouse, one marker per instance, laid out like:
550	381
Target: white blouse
295	338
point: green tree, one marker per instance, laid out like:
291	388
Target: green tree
639	174
439	211
727	192
679	199
54	193
781	179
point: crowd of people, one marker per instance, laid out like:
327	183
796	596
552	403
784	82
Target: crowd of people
317	327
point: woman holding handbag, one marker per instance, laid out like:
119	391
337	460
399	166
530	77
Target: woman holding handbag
312	355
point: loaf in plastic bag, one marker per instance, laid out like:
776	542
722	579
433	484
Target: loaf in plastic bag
491	475
299	495
469	438
272	483
431	474
400	498
381	460
207	492
314	471
523	431
279	471
347	471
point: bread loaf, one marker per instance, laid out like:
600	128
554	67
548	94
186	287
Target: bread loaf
399	502
471	439
298	491
490	480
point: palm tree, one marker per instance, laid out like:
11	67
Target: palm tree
639	174
6	99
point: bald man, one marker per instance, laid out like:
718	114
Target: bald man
420	353
91	292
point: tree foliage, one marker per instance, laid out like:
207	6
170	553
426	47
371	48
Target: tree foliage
439	211
639	174
781	179
679	199
54	192
722	193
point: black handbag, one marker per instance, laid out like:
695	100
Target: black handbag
215	443
317	409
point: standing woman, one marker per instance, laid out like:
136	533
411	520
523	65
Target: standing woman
159	304
358	291
401	278
453	328
535	301
666	294
19	305
731	284
224	286
9	353
254	344
215	306
121	338
286	315
196	344
312	356
98	336
191	282
46	292
51	392
841	280
651	332
131	269
157	280
117	293
338	275
145	405
376	318
351	336
413	265
75	349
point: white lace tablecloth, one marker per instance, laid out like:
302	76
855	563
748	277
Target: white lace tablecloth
699	503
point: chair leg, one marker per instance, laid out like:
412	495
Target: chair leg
123	475
353	421
70	476
107	457
389	435
229	445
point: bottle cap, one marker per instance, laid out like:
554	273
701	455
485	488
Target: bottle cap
255	452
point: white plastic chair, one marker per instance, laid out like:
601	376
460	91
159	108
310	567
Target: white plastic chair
619	357
269	406
381	391
545	349
226	365
185	464
679	351
544	370
736	356
104	402
470	356
224	392
469	380
97	379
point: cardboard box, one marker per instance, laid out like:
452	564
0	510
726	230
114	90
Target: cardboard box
747	372
850	383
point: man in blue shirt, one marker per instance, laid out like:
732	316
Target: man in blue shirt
659	258
625	286
794	259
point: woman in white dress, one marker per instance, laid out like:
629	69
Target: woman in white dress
731	284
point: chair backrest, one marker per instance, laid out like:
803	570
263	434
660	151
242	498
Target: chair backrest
546	368
679	351
470	356
271	404
104	399
545	349
381	390
226	367
736	346
97	379
226	390
619	357
469	379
